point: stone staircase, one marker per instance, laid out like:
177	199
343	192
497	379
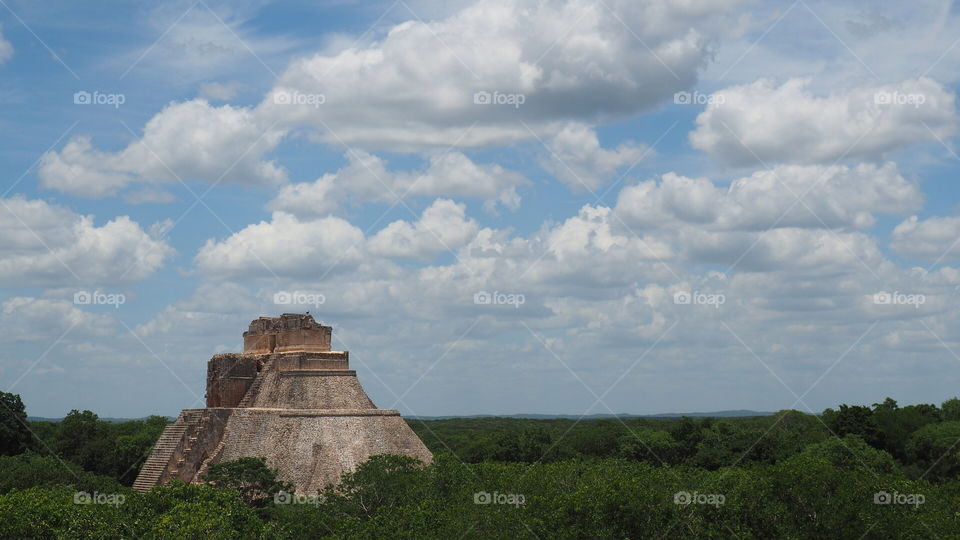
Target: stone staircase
176	440
161	455
251	396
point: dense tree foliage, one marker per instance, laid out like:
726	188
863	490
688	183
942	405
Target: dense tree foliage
14	432
250	476
883	471
116	449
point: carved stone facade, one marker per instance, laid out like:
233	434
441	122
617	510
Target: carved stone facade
287	398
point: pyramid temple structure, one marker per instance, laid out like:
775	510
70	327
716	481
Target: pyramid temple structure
287	398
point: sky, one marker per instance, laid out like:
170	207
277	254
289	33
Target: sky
501	206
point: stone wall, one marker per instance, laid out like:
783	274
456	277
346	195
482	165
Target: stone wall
286	333
229	376
313	360
312	389
314	448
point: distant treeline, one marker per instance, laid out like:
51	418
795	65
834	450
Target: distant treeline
883	471
916	436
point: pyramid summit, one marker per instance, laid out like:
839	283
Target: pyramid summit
288	398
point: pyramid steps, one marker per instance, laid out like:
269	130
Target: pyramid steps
251	396
162	452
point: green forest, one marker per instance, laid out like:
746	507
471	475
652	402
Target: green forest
880	471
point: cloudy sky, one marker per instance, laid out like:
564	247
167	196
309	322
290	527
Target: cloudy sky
501	206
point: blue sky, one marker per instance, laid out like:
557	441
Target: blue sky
805	200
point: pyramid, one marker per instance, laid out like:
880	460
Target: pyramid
287	398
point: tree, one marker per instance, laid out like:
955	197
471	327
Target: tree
852	453
897	424
14	433
133	444
28	470
654	447
179	510
383	481
84	439
250	476
936	449
854	420
950	410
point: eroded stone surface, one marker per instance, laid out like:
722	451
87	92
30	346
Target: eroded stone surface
287	398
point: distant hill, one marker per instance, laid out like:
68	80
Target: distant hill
716	414
45	419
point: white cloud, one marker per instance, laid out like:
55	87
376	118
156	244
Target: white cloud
934	238
366	178
761	122
191	141
573	60
809	196
442	227
454	174
284	246
46	319
6	50
44	244
309	199
577	159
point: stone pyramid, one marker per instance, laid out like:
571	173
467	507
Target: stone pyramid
287	398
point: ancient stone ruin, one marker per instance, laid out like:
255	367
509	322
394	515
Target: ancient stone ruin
287	398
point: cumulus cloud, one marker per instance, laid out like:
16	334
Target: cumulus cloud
426	84
44	244
189	141
366	178
596	293
762	122
442	227
934	238
808	196
47	319
454	174
286	246
414	90
577	159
